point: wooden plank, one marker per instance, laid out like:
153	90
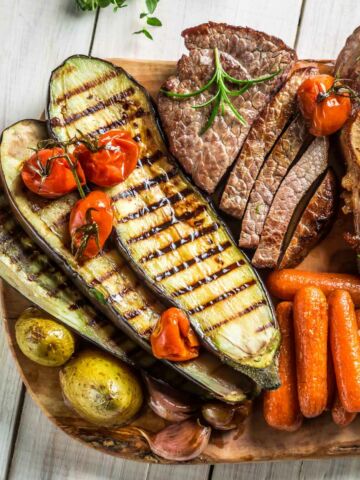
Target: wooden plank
324	29
44	451
176	472
114	30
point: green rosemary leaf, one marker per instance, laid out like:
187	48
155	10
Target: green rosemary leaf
235	112
212	116
191	94
153	21
151	5
145	32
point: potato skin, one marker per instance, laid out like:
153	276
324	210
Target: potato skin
101	389
42	339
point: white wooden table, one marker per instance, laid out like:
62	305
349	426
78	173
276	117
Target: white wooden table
35	36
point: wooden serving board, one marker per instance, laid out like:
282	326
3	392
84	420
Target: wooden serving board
317	438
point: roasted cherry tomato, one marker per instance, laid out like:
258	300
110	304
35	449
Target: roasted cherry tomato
110	159
173	338
48	173
325	103
91	222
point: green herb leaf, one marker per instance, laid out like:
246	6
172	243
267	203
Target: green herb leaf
98	295
151	5
144	32
143	14
221	98
153	21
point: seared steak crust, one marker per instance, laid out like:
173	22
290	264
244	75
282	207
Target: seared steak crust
298	181
348	62
313	223
271	175
262	136
244	53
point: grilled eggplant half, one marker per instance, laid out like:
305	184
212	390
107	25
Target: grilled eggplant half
164	226
106	279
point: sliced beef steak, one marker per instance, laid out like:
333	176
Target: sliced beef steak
262	137
295	185
350	144
348	62
271	175
314	222
244	53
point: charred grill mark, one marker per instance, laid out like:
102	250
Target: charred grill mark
116	98
140	112
148	161
182	241
147	331
264	327
86	86
11	234
183	266
247	310
223	296
163	202
78	304
209	278
164	226
145	185
106	276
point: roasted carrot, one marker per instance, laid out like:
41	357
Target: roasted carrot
281	406
331	382
340	416
357	313
345	348
311	340
284	284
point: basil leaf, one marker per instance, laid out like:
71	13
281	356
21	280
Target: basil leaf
153	21
143	14
151	5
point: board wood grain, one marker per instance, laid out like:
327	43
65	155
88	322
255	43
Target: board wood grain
317	438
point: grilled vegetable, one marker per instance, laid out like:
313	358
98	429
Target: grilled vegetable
42	339
105	279
179	442
49	173
109	159
166	228
311	340
173	338
101	389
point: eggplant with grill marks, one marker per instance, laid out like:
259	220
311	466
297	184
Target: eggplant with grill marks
164	226
106	279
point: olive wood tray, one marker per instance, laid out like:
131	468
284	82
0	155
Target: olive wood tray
318	438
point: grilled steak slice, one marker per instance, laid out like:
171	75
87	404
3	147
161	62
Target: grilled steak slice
348	62
244	53
262	136
350	144
295	185
286	150
314	222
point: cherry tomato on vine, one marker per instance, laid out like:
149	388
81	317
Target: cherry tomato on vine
325	103
91	222
110	159
48	173
173	338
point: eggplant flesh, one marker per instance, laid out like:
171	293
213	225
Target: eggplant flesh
171	235
128	304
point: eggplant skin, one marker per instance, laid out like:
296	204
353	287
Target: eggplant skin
127	304
166	228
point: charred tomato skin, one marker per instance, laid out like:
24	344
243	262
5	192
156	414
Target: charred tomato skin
325	110
49	175
95	208
112	161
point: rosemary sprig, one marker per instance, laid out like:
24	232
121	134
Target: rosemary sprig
221	99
